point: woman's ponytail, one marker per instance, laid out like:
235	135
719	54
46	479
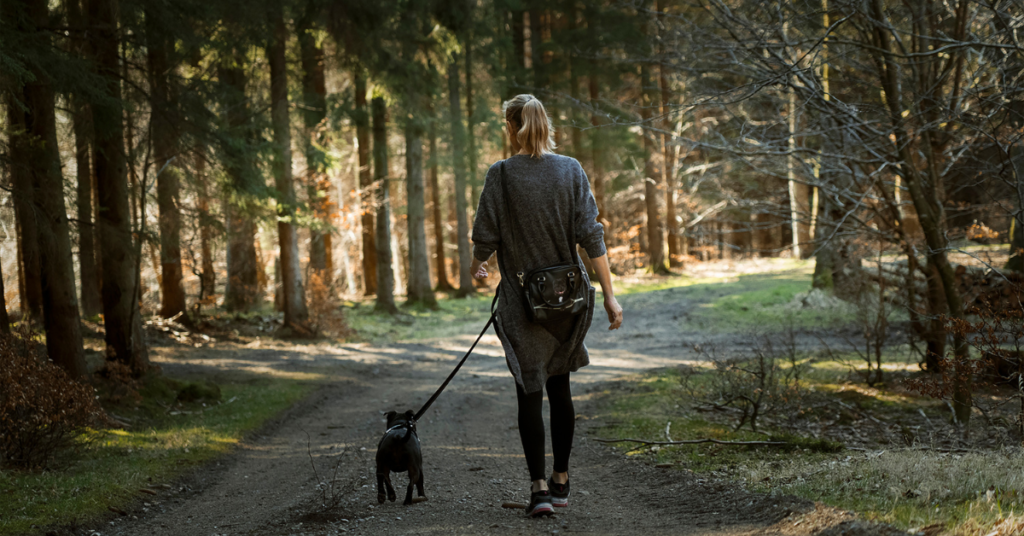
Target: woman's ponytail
535	133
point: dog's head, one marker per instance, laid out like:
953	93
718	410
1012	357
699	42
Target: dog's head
396	418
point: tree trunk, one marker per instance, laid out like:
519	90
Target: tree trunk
652	178
90	303
458	164
385	274
366	186
540	78
670	152
596	152
165	139
435	200
242	285
799	192
35	151
121	315
314	96
923	194
208	276
519	51
471	156
31	287
418	289
294	297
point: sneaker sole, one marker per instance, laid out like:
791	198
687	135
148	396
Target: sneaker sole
541	510
560	503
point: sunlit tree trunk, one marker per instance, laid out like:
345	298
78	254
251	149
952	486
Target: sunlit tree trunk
208	276
385	274
435	201
121	314
459	166
30	287
362	120
294	297
165	140
314	112
653	184
242	285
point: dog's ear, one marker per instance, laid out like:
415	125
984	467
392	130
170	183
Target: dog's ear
390	415
409	414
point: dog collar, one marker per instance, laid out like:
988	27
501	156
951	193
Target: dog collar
410	425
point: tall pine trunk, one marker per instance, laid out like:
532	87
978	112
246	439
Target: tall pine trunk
459	165
31	286
670	151
165	139
208	275
294	303
242	286
35	151
418	289
314	112
89	283
653	184
121	316
385	274
596	151
362	120
435	202
471	154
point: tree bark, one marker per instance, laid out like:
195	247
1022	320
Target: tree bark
81	120
165	139
294	296
435	201
31	287
121	315
596	151
519	51
242	286
385	274
34	150
458	164
799	192
670	152
653	185
471	154
314	96
208	276
366	186
419	290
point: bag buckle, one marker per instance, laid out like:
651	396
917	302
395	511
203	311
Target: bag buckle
521	282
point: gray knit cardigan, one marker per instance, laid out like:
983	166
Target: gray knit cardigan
549	196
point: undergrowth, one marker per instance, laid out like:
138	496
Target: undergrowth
894	477
163	437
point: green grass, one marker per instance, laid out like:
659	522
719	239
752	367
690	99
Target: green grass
904	488
454	316
160	445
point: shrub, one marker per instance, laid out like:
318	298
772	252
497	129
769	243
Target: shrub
325	313
43	412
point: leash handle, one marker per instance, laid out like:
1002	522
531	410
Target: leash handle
447	380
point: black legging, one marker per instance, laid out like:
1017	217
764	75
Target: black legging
531	425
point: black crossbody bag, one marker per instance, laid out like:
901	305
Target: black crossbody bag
553	293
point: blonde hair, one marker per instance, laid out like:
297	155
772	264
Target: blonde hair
535	134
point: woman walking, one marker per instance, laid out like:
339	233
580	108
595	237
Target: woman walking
535	208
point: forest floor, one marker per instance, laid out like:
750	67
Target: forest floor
311	470
268	485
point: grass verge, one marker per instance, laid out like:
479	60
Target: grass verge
965	493
164	440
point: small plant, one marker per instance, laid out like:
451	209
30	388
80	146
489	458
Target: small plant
325	314
753	386
43	412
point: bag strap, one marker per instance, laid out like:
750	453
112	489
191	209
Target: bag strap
448	380
512	228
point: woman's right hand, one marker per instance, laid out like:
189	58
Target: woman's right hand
614	310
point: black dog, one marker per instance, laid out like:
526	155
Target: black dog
399	451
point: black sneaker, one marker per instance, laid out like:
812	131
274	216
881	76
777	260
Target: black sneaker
540	504
559	493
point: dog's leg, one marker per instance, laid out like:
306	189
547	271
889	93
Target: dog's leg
391	489
380	485
414	476
419	485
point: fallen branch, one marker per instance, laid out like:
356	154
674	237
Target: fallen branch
695	442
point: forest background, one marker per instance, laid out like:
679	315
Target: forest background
176	159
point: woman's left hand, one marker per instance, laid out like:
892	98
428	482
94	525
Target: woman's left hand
478	269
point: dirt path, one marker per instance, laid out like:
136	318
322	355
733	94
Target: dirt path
473	460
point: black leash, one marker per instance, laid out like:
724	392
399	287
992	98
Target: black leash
437	393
